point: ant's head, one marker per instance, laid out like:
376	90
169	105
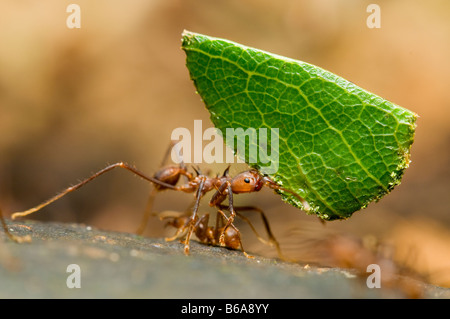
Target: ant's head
252	181
232	238
247	182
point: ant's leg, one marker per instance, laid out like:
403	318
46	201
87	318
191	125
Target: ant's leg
87	180
151	197
272	240
218	197
180	232
153	191
221	215
193	219
17	239
200	227
203	231
230	220
179	221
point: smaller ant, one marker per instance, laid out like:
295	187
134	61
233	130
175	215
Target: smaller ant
224	187
210	235
206	234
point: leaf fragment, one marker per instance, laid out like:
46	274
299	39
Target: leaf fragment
340	146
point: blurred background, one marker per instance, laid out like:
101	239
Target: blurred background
74	100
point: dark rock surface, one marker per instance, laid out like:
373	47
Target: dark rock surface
122	265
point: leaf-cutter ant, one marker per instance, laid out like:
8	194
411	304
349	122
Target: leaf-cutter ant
210	234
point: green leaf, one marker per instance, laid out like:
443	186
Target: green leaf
340	147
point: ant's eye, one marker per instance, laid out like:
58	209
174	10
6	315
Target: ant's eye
247	180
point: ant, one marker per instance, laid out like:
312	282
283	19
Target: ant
210	235
206	234
168	177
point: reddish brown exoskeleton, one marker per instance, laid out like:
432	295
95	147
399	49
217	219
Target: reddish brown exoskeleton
17	239
167	178
211	235
205	233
